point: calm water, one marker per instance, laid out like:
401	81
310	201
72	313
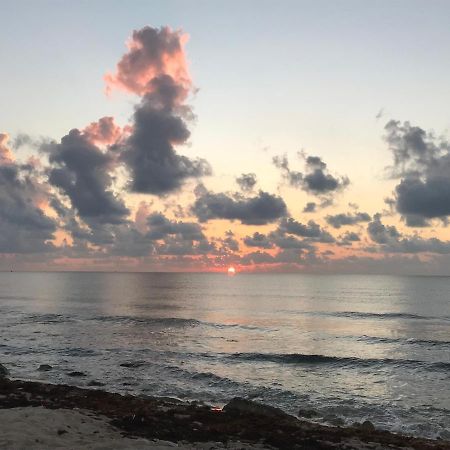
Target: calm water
350	347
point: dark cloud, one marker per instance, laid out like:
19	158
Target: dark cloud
24	228
149	153
257	258
83	173
260	209
247	181
316	178
422	162
348	238
258	240
293	178
160	227
310	207
392	241
229	243
311	230
342	219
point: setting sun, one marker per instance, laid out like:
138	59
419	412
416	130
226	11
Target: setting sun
231	270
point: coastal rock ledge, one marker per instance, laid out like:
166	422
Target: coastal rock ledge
189	424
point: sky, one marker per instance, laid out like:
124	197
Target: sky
292	136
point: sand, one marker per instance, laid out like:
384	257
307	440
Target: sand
38	428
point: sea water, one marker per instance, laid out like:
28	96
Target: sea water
350	348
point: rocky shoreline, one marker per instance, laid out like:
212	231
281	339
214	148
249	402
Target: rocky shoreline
188	423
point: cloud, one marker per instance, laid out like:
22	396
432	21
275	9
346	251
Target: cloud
422	162
310	207
152	52
348	238
149	153
293	178
6	155
392	241
258	240
342	219
24	228
155	68
105	131
316	178
311	230
83	173
160	227
246	181
260	209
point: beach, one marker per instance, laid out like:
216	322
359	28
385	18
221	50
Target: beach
36	415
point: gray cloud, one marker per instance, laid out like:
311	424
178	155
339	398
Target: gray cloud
348	238
342	219
149	153
392	241
316	178
311	230
82	172
258	240
260	209
310	207
24	228
160	227
247	181
422	162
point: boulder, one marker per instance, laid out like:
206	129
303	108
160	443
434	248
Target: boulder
45	367
240	406
95	383
367	425
307	413
3	371
76	374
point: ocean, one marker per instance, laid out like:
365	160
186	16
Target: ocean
349	348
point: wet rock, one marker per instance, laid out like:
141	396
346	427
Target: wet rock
240	405
3	371
367	425
60	432
95	383
308	413
335	420
76	374
45	367
133	364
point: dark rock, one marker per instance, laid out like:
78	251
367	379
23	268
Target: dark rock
60	432
240	406
45	367
367	425
335	420
76	374
3	371
95	383
308	413
133	364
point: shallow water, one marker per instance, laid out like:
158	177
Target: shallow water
349	347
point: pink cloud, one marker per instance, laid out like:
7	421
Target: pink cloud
105	131
152	52
6	156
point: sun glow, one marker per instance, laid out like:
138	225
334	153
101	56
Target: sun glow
231	270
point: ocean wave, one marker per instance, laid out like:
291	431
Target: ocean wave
372	315
299	359
406	341
170	322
